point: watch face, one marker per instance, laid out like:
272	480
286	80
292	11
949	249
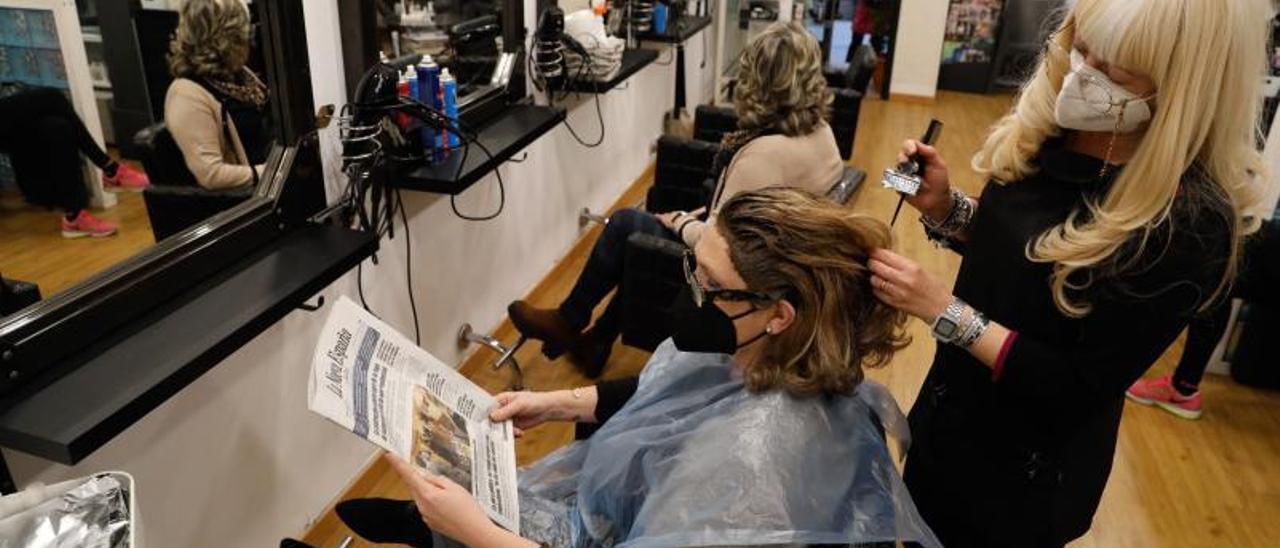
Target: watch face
946	328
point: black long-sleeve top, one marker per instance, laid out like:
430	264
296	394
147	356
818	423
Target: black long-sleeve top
610	397
1029	449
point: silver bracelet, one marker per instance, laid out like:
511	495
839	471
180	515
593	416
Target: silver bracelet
956	221
974	327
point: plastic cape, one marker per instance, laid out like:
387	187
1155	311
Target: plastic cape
695	459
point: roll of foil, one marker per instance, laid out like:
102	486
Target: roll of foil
93	514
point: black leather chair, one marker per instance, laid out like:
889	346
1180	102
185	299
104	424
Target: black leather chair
175	201
16	295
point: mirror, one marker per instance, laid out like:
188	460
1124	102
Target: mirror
475	40
465	36
83	91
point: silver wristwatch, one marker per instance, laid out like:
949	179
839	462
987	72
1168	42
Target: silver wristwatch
947	326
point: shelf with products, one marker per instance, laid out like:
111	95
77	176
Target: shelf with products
503	137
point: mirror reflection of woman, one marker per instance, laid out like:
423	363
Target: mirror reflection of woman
45	138
215	107
752	426
1120	183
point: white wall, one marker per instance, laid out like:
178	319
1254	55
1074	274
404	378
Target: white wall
235	459
918	53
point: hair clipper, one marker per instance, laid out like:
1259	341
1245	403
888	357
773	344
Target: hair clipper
906	176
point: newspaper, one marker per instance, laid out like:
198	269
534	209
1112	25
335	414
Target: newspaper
373	381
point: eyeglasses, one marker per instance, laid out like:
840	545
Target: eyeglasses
703	294
1104	102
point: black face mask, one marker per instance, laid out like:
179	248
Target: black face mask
705	329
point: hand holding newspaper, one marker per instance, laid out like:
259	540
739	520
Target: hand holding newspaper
372	380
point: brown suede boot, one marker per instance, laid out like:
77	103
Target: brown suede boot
546	325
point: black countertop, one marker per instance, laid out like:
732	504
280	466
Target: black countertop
684	28
632	61
131	373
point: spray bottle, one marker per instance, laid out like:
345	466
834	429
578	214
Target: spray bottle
449	106
428	82
402	88
411	75
428	89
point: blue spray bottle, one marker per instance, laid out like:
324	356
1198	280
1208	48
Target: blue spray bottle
411	75
428	90
449	98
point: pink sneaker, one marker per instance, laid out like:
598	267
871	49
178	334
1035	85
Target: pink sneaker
126	178
1161	393
86	225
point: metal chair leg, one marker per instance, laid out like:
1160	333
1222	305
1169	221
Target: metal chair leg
586	217
467	335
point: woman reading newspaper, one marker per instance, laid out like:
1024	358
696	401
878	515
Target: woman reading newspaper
752	426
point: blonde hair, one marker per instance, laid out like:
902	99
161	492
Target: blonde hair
780	82
1207	59
211	41
815	252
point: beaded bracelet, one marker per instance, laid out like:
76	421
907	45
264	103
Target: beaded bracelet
976	325
956	221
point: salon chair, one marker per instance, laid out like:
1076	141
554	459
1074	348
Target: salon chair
16	295
175	201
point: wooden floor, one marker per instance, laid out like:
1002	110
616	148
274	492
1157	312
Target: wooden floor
1215	482
32	248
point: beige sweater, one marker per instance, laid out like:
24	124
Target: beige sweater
194	118
811	162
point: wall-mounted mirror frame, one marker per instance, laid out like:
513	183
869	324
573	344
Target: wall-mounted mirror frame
36	341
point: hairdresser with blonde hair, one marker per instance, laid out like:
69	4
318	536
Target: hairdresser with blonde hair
1117	205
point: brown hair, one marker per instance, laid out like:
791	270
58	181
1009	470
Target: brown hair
815	251
212	35
780	83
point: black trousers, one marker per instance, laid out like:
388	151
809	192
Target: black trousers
44	137
1256	282
604	271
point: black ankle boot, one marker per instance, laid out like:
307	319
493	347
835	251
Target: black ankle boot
385	521
592	354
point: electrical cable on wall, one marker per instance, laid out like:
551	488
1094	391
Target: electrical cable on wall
408	270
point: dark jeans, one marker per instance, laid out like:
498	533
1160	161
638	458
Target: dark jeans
1256	282
44	137
604	271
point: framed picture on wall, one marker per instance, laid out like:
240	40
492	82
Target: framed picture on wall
969	44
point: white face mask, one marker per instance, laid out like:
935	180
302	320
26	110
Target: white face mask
1090	101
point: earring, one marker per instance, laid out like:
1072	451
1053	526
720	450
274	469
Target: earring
768	330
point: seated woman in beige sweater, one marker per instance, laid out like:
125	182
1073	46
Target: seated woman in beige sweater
783	139
215	106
